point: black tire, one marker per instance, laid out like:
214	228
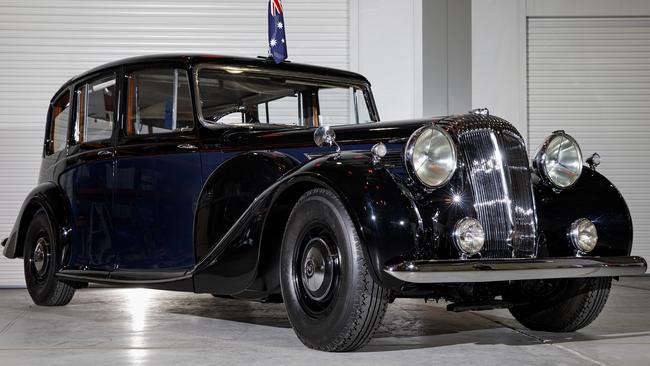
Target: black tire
563	305
344	310
40	266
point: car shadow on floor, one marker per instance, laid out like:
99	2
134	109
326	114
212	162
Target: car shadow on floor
407	325
267	314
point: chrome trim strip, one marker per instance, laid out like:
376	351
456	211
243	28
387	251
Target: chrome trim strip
123	281
447	271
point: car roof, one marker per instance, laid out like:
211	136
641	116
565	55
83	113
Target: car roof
194	59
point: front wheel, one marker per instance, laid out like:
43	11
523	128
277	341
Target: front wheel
332	301
41	264
564	305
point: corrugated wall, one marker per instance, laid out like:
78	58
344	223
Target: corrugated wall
44	43
591	78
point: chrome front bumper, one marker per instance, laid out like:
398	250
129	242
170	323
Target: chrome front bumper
489	270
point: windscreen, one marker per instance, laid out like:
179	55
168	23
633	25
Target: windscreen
228	98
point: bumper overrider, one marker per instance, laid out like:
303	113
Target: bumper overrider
490	270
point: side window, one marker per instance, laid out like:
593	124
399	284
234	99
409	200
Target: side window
339	106
158	102
95	111
60	118
282	111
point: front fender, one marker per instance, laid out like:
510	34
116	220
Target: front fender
46	196
592	197
383	210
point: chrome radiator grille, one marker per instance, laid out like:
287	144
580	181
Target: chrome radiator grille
498	170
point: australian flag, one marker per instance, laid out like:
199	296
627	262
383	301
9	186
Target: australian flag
277	39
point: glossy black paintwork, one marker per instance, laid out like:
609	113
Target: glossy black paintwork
592	197
48	197
233	193
282	153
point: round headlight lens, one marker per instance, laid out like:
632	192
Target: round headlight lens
431	156
469	235
584	235
559	160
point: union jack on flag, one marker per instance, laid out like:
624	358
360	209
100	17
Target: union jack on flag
276	7
277	38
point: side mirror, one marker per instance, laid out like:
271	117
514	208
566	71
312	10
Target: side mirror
324	135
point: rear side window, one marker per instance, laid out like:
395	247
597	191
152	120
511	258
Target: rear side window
95	111
60	118
159	101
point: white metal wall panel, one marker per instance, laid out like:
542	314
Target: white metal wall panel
591	78
43	43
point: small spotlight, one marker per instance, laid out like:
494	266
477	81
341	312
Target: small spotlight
469	235
584	235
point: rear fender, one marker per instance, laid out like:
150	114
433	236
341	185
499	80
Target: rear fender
50	198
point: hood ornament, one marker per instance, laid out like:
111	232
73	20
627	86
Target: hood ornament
480	111
324	135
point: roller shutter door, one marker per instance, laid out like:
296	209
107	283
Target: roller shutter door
44	43
591	77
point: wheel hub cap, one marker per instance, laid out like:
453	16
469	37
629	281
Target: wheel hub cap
40	255
317	269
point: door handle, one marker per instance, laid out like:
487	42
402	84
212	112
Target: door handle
187	146
104	152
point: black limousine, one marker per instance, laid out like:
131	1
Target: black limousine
248	179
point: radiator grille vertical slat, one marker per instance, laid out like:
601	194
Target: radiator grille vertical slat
500	181
523	204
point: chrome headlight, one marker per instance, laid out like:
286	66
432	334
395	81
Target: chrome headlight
431	156
583	235
559	160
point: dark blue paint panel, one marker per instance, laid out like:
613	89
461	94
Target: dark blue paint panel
88	187
153	210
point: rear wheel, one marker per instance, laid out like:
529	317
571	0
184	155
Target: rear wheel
40	264
564	305
331	299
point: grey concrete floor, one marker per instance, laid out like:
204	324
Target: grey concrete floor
134	326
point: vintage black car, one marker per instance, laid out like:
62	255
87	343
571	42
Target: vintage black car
242	178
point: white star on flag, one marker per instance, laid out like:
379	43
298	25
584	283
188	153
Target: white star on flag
280	25
282	40
273	42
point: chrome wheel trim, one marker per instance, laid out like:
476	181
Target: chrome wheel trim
41	256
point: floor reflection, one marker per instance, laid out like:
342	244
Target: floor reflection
136	326
138	304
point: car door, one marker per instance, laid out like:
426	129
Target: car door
158	172
87	178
